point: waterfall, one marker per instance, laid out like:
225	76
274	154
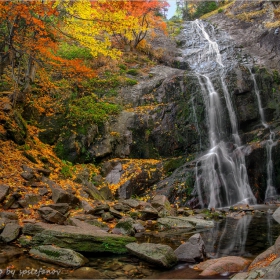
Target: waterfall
221	175
196	122
270	189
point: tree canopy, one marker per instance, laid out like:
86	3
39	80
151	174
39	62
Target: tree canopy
34	33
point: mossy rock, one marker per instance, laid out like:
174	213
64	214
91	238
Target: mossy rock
16	128
63	257
80	240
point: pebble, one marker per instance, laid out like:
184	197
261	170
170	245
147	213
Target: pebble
128	267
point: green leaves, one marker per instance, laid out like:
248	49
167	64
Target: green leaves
87	109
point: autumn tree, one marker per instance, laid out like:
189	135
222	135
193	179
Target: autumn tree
26	36
148	15
32	31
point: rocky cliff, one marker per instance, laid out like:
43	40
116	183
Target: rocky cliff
165	116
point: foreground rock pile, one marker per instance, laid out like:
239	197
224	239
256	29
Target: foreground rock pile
61	226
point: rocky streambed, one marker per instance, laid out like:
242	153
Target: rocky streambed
140	240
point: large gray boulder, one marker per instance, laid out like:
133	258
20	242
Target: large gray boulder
158	254
59	256
79	238
191	251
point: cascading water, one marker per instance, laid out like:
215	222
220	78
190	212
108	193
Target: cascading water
270	192
221	175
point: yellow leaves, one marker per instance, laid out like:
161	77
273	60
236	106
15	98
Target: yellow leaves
93	24
144	109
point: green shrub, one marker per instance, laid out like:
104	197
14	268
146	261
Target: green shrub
220	10
133	72
88	110
131	82
66	169
122	67
73	52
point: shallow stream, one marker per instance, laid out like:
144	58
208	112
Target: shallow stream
247	236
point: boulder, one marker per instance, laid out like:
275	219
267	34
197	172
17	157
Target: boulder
200	223
149	213
157	254
51	215
132	203
138	227
115	213
191	251
59	256
276	215
125	226
29	199
175	222
4	191
228	264
161	202
114	176
121	207
9	215
59	195
63	208
10	232
81	239
107	217
184	222
27	175
99	209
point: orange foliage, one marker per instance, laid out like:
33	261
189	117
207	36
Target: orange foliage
146	12
31	37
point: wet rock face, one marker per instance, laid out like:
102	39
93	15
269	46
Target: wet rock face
252	37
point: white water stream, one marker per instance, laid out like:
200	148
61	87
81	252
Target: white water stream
221	175
270	143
